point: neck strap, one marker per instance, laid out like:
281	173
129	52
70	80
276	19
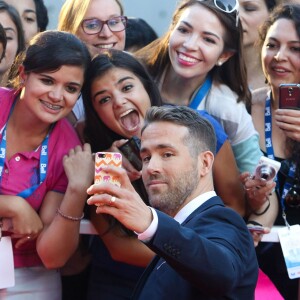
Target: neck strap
43	159
270	154
201	93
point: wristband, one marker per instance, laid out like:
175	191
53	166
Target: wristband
264	211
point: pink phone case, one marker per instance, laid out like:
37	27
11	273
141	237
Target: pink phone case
103	159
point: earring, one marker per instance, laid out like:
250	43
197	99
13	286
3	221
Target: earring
219	63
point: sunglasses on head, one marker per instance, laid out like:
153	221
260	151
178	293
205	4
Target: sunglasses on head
227	6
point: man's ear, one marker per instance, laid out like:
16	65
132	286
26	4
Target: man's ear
224	57
206	160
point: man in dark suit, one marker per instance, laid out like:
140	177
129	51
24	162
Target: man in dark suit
204	249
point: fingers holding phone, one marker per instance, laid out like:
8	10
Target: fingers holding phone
257	231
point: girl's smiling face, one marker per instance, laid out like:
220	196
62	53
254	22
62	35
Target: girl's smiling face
121	101
281	53
195	47
102	10
50	96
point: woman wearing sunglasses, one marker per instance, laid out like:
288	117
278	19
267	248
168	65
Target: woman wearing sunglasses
280	52
200	64
98	23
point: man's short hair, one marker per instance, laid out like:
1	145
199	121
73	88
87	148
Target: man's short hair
201	135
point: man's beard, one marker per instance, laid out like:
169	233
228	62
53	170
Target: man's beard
171	200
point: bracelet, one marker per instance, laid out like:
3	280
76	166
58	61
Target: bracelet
264	211
70	218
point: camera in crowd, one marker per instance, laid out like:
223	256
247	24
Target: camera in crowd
266	168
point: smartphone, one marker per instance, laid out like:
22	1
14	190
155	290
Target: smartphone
131	150
255	228
104	159
289	96
266	169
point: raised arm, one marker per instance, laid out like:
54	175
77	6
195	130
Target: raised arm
226	179
60	235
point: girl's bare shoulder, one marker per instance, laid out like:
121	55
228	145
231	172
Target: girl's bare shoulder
259	96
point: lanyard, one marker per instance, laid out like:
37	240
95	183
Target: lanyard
201	93
43	161
270	154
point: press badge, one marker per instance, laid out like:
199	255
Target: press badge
289	238
7	273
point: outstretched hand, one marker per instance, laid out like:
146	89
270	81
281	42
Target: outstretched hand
123	202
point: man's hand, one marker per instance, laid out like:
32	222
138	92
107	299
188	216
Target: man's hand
123	202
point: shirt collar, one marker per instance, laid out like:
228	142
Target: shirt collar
193	205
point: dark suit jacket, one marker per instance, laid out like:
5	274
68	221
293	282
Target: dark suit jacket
210	256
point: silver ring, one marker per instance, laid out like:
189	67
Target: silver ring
112	200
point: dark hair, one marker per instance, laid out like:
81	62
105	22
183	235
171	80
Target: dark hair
15	17
201	136
138	34
3	40
41	15
270	4
100	65
232	72
48	51
283	11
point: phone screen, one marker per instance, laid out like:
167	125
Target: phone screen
131	150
